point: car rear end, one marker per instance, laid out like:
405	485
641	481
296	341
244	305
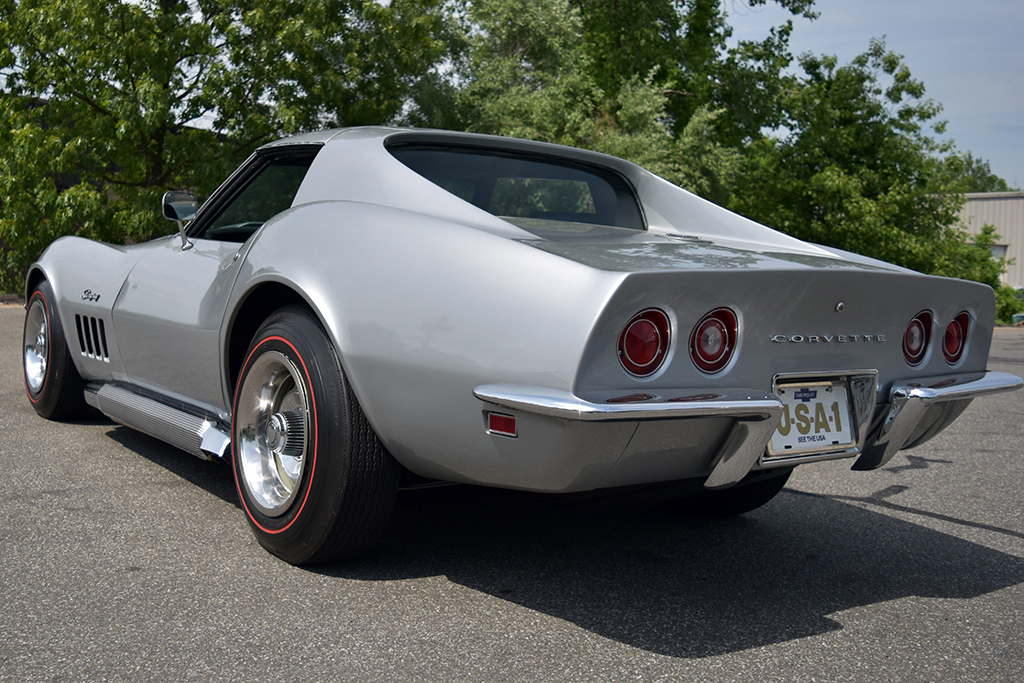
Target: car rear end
724	348
754	361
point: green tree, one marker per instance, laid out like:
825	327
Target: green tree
856	169
104	105
969	174
528	70
526	74
686	44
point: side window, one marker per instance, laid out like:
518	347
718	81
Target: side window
268	193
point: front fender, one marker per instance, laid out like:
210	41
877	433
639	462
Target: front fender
86	277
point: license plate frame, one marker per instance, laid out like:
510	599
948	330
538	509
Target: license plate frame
824	402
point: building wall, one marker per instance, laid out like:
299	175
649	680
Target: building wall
1004	210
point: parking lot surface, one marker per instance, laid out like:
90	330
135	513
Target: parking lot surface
125	559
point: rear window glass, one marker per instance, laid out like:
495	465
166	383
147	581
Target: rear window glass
522	186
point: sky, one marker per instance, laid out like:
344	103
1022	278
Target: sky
969	55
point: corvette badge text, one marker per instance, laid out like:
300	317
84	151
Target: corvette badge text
826	338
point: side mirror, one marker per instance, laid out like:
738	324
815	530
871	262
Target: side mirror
180	207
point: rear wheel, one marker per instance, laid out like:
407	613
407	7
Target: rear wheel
314	480
743	497
52	382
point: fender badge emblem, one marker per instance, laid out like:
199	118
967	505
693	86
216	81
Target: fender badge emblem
89	295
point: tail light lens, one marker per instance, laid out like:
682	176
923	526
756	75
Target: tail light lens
713	340
644	342
955	339
916	338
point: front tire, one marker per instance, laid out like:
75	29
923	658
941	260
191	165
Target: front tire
52	382
315	482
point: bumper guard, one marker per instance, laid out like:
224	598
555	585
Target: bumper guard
908	402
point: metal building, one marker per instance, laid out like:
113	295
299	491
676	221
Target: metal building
1005	211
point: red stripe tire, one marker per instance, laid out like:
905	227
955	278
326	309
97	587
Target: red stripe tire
314	480
52	382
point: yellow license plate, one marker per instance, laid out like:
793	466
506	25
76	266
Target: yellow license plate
815	419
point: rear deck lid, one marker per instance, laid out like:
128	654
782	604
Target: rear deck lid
615	249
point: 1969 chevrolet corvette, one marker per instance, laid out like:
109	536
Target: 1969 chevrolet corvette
355	306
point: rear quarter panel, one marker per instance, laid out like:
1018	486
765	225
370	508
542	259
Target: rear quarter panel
422	311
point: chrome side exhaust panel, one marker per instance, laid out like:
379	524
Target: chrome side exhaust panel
189	432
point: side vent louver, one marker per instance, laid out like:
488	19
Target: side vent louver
92	337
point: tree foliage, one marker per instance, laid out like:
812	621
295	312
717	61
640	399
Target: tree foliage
686	44
104	105
969	174
857	169
107	104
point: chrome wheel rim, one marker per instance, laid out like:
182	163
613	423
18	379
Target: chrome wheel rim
37	344
271	431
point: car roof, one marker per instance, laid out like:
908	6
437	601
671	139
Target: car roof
668	208
431	135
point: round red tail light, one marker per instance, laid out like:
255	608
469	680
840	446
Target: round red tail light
916	338
713	340
955	339
644	342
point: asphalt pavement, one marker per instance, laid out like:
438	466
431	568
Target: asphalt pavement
125	559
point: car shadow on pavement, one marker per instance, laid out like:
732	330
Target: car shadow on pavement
213	477
651	577
675	585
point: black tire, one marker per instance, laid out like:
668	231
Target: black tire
316	484
52	382
742	498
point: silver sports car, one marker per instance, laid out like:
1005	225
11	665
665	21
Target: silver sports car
359	307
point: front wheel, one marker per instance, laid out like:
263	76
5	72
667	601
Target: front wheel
52	382
314	480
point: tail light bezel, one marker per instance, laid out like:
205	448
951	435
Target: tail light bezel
725	322
962	324
921	324
647	320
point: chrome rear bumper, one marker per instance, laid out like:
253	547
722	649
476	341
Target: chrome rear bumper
757	415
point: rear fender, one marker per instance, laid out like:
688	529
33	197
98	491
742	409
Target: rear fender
422	311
